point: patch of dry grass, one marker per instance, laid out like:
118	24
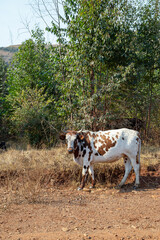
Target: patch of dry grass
58	159
150	155
34	159
26	173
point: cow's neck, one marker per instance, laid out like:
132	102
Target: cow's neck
76	149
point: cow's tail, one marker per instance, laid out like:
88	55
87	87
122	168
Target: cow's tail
139	153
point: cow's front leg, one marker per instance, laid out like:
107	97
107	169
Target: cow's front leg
91	172
84	175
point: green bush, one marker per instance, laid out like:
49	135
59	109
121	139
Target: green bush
31	117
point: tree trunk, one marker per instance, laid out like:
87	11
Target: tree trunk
93	107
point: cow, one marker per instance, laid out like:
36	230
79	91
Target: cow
90	147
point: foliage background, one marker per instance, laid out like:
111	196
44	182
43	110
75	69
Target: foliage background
105	67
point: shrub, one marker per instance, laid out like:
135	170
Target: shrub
32	118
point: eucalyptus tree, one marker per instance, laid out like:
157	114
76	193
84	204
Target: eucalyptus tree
100	36
32	90
3	93
3	71
148	61
31	66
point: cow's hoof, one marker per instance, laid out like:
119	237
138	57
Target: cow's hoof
91	187
79	188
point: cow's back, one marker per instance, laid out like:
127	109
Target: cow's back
114	144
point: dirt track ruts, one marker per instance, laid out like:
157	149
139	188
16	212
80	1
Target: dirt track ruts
66	213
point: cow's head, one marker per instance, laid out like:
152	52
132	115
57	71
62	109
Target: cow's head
72	138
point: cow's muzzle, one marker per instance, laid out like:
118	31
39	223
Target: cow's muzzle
70	150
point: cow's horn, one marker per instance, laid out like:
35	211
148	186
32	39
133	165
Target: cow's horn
79	131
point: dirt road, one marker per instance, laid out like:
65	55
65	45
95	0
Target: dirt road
66	213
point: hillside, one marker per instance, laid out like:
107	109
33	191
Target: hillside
7	52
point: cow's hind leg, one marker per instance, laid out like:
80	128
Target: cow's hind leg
136	167
136	164
128	168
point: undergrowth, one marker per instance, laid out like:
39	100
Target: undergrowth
27	173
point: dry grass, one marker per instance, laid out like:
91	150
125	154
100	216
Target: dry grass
26	173
150	155
58	158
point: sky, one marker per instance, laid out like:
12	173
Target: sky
15	15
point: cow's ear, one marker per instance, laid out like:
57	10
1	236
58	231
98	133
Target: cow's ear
62	136
81	136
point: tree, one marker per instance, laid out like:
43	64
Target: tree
31	66
3	104
32	74
148	58
100	36
3	70
105	66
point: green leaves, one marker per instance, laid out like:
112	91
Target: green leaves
3	89
104	67
31	115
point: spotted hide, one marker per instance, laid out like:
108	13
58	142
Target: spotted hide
104	146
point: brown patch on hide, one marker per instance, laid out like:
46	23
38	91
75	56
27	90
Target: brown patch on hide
109	144
125	158
103	137
117	136
94	143
101	141
71	132
101	150
137	158
106	146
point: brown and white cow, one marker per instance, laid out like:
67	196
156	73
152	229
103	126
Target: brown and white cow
104	146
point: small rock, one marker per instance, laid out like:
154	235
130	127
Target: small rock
109	226
133	226
86	190
65	229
